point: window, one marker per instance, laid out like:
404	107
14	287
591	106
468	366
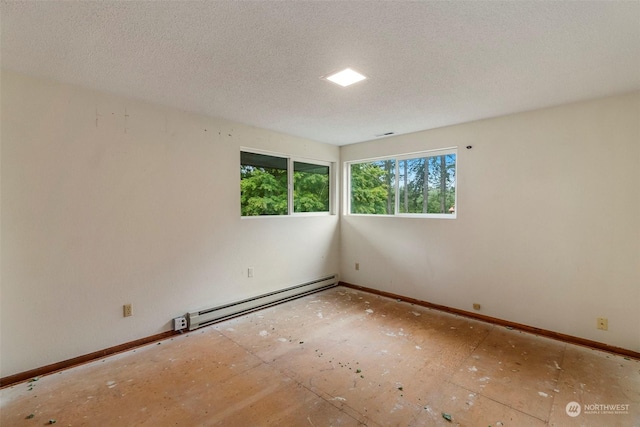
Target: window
310	187
421	184
263	184
265	181
373	187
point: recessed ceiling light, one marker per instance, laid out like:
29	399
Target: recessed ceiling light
345	77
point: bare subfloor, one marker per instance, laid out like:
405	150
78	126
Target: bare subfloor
339	358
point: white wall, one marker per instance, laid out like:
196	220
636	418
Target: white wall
100	209
548	228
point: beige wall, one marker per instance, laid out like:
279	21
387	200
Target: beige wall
99	210
548	227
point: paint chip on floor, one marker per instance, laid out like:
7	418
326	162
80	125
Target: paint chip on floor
263	333
369	311
543	394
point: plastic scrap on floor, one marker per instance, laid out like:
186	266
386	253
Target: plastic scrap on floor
446	416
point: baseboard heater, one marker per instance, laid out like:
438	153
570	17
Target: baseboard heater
198	319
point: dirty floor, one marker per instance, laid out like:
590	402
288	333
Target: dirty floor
339	358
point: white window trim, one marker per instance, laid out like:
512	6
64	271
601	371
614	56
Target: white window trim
398	158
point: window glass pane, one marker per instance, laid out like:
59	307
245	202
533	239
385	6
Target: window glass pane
310	187
263	184
411	185
441	195
373	187
428	184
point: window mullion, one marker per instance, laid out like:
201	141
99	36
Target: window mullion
397	189
289	186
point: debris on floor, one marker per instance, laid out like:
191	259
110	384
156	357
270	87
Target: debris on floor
292	380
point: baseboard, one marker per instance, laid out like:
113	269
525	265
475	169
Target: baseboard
65	364
55	367
525	328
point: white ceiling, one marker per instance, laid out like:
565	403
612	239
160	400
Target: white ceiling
430	64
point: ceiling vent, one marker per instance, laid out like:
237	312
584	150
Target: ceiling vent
385	134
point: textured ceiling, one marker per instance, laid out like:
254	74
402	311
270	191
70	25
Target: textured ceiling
430	64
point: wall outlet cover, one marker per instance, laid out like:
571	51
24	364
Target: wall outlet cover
179	323
603	323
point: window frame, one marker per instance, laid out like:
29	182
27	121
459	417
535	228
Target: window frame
290	183
397	159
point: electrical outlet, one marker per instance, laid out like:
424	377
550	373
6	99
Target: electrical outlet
476	306
357	266
250	272
126	310
179	323
603	323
